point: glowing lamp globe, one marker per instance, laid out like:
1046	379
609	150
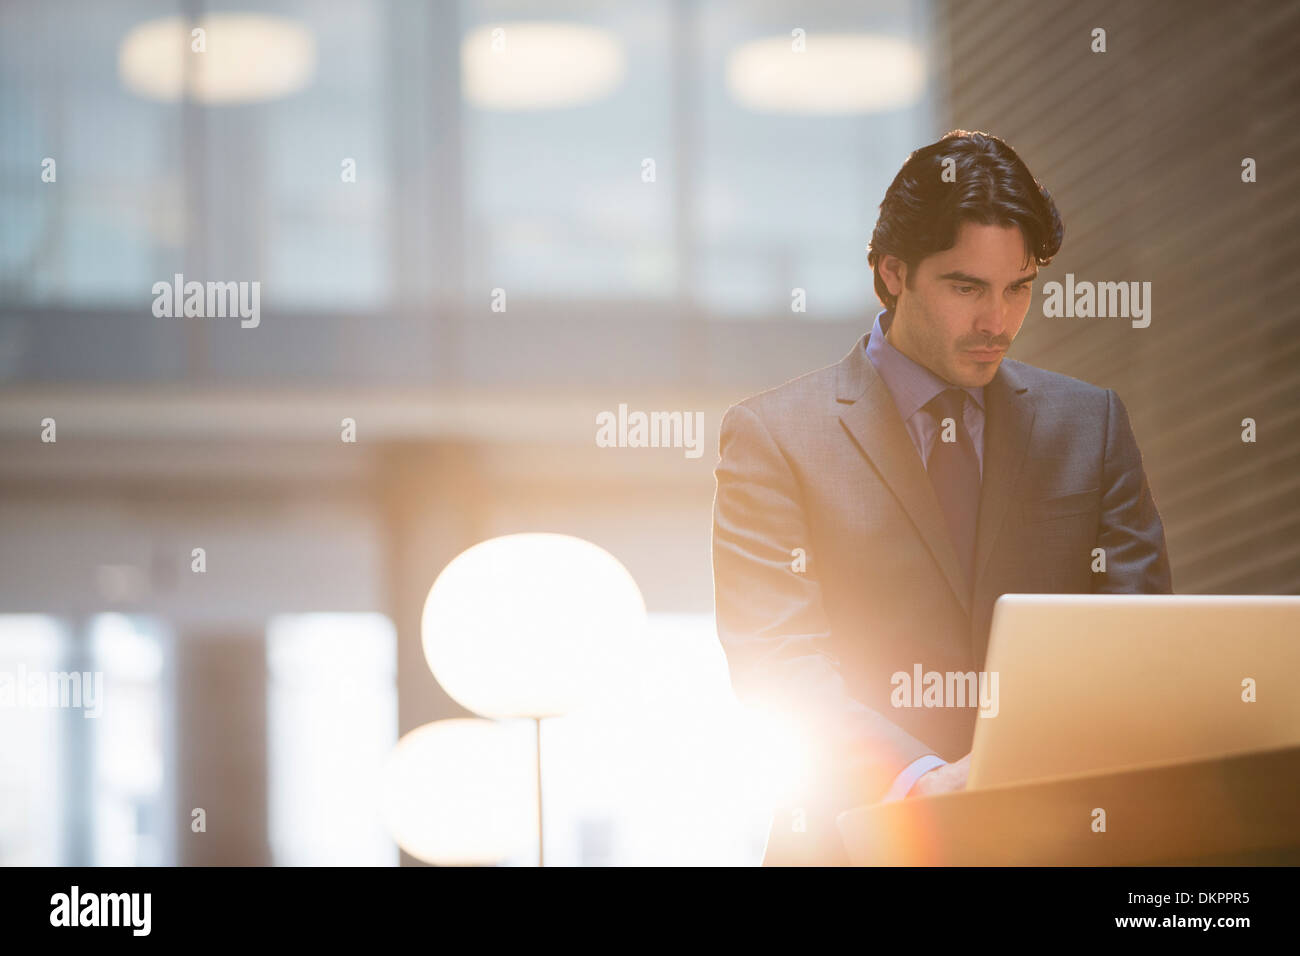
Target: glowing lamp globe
530	625
460	792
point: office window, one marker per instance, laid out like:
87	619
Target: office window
322	224
332	716
95	233
132	824
787	197
32	744
240	191
557	205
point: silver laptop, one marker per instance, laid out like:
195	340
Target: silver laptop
1089	683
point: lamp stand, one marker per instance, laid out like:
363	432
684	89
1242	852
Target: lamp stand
541	848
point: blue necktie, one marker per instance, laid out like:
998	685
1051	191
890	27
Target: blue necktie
954	472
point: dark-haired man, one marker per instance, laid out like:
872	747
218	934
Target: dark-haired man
870	513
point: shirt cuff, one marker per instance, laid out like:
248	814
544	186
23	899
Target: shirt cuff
913	772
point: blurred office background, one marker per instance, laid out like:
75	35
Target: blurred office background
648	197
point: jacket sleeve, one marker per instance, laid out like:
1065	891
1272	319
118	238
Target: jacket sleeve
774	629
1137	558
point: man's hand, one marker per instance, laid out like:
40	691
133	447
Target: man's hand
945	779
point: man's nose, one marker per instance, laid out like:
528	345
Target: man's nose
993	322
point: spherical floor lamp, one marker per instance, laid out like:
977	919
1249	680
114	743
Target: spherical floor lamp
530	625
459	792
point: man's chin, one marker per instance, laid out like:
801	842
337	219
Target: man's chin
972	374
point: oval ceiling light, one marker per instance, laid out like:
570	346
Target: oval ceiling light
835	74
539	66
246	58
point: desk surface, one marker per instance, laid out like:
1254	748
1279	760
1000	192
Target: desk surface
1242	809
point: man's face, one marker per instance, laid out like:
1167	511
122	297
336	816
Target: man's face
973	296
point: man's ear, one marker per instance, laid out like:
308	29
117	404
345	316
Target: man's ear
893	271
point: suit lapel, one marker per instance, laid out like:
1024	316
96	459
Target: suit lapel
872	418
869	414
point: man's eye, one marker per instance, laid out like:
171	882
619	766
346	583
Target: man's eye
1019	289
965	289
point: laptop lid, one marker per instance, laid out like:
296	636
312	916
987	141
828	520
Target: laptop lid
1089	683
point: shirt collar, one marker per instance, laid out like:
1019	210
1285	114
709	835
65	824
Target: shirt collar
912	385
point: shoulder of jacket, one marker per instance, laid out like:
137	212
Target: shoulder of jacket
810	389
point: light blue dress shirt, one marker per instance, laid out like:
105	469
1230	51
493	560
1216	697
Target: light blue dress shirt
912	386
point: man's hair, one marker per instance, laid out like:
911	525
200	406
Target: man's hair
923	209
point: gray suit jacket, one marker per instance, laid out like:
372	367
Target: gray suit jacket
824	464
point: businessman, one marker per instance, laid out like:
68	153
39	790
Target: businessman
868	514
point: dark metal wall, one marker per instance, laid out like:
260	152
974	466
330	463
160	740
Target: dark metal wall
1142	148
